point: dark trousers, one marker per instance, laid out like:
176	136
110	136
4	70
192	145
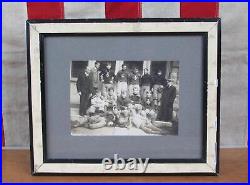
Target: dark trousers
84	103
165	114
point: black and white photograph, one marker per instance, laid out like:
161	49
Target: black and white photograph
124	98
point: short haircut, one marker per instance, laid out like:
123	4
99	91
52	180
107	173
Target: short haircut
111	88
135	88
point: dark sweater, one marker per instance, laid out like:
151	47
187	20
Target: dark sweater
159	80
146	79
107	76
122	76
134	79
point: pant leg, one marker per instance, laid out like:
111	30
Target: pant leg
83	104
155	91
80	105
118	88
142	91
137	86
123	86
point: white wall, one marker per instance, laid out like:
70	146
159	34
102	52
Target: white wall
234	66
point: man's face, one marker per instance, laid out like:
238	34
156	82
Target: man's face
148	94
146	71
97	65
173	76
155	102
86	72
98	94
108	66
124	67
123	94
111	92
136	91
173	79
136	70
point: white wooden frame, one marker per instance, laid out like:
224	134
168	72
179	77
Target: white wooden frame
211	27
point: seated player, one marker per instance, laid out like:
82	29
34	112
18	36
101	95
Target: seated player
95	113
158	84
111	99
79	121
111	105
96	116
135	97
139	120
155	105
147	95
157	100
96	120
148	110
123	102
122	111
98	104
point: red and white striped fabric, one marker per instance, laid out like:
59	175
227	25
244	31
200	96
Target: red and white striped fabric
234	55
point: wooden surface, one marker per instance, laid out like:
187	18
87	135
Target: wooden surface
233	168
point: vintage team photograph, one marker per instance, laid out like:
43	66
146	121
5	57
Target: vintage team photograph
139	98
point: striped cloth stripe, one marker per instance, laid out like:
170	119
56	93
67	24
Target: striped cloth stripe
45	10
234	32
123	10
199	10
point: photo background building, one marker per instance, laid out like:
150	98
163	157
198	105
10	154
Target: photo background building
152	66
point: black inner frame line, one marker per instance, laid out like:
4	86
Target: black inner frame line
43	98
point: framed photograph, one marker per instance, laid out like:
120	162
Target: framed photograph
124	96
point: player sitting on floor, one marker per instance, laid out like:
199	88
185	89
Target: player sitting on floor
111	105
135	97
148	110
96	111
97	102
123	110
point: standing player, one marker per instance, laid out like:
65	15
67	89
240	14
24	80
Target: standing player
107	78
146	80
134	81
122	80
